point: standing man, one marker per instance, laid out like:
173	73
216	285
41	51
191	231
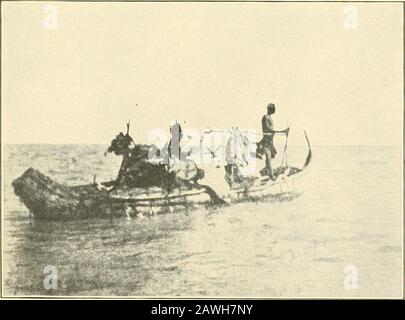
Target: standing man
267	144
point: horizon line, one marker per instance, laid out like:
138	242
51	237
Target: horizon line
99	143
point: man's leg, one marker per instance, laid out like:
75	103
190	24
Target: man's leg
267	153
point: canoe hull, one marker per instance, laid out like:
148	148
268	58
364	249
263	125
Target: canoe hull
49	200
284	188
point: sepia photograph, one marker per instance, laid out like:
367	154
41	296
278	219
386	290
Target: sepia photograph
195	150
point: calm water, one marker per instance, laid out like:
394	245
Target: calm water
349	214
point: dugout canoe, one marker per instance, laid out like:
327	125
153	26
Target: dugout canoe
48	200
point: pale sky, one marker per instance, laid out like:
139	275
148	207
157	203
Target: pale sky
205	64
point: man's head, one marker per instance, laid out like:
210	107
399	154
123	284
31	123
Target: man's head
271	108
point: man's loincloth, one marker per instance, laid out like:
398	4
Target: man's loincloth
265	145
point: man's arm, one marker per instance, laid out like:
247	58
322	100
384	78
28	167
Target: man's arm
272	132
269	127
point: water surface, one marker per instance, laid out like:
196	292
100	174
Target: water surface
349	215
